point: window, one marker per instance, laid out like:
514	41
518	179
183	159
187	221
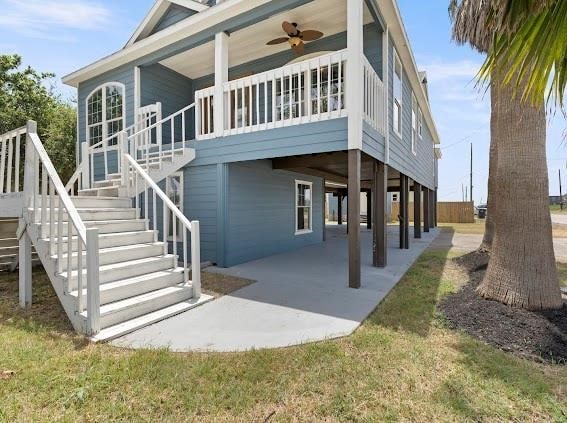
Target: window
174	191
105	113
303	206
413	122
397	121
419	123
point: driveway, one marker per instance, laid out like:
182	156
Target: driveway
300	296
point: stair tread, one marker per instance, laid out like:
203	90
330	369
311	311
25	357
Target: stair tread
102	236
113	332
140	299
118	248
133	280
123	264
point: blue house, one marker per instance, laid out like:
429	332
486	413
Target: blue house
245	114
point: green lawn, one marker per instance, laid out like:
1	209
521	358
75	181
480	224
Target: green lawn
402	364
557	209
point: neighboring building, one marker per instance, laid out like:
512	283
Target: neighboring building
335	104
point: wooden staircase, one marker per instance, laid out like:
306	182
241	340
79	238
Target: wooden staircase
105	249
140	282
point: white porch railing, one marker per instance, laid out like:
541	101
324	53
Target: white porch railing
138	181
374	97
307	91
48	203
10	160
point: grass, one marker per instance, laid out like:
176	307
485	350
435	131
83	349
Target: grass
402	364
477	228
556	209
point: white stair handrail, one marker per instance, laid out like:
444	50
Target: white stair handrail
141	146
45	194
135	172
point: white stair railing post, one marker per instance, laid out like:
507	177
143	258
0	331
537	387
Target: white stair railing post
196	258
123	140
93	287
85	179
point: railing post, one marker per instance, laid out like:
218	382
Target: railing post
123	150
25	267
29	170
196	258
93	287
85	179
221	77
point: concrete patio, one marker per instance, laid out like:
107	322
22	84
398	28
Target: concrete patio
300	296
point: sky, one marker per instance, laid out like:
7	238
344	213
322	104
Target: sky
61	36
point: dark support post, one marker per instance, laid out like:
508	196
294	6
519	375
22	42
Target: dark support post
353	218
324	207
431	209
426	210
404	212
380	229
435	222
416	210
340	208
369	210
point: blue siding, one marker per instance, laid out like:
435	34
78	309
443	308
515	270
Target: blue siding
201	203
173	90
373	143
261	212
173	15
309	138
419	167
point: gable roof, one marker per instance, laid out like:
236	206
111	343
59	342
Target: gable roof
157	12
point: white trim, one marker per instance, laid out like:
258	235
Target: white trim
414	127
310	230
221	78
157	12
386	78
397	60
137	92
191	5
419	122
354	81
104	120
179	31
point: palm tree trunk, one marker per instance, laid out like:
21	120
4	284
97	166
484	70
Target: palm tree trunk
492	167
522	270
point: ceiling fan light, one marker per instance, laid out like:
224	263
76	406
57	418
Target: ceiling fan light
294	41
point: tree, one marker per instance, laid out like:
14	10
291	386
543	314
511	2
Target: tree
24	96
522	269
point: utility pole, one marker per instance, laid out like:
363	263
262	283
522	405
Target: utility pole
471	192
560	191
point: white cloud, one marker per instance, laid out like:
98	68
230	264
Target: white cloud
37	18
438	71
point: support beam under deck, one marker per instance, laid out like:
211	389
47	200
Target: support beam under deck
353	218
379	215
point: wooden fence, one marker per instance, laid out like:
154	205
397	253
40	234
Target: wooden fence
447	212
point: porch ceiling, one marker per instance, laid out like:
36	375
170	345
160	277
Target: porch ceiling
327	16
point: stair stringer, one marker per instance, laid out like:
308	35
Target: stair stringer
58	282
179	161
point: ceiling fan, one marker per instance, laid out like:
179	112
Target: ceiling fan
295	37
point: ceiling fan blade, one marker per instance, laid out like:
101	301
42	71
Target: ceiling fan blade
311	35
289	28
277	41
299	49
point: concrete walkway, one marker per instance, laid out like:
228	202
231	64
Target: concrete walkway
300	296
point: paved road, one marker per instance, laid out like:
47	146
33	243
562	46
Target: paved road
464	242
559	218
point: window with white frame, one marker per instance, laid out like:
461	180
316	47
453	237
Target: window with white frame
419	122
303	207
174	191
397	99
413	123
105	113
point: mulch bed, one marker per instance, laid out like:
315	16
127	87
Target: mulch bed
539	336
